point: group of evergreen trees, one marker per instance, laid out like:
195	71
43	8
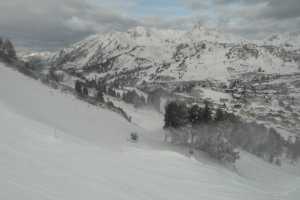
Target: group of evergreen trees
130	96
134	98
7	50
218	132
81	89
294	148
178	114
103	87
100	96
196	126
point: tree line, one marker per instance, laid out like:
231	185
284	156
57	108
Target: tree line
219	133
193	126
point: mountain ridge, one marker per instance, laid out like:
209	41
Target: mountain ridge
183	50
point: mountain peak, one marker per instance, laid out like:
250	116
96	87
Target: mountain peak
139	31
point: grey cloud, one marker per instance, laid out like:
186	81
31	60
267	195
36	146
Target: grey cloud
59	22
196	4
282	9
250	17
55	23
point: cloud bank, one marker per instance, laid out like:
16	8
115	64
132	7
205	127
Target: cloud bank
55	23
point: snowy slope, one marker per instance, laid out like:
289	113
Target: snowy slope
46	105
55	147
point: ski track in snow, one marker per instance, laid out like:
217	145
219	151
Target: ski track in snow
55	147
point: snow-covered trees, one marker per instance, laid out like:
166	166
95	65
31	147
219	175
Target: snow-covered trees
207	115
78	87
294	148
7	50
176	115
100	96
81	89
111	92
134	98
184	122
220	116
219	134
214	143
85	92
195	115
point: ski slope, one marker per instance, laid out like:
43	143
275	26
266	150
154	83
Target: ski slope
55	147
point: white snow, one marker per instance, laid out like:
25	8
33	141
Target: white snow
215	96
55	147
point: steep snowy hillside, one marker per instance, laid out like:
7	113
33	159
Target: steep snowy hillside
54	146
62	112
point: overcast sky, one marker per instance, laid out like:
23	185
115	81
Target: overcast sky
55	23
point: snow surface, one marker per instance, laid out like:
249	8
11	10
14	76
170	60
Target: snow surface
55	147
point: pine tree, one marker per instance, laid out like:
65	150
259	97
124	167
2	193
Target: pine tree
85	92
207	113
220	116
296	148
111	92
100	96
1	43
101	86
195	115
195	118
78	87
176	115
9	49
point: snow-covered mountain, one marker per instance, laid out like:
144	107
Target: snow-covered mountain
265	72
159	55
54	146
